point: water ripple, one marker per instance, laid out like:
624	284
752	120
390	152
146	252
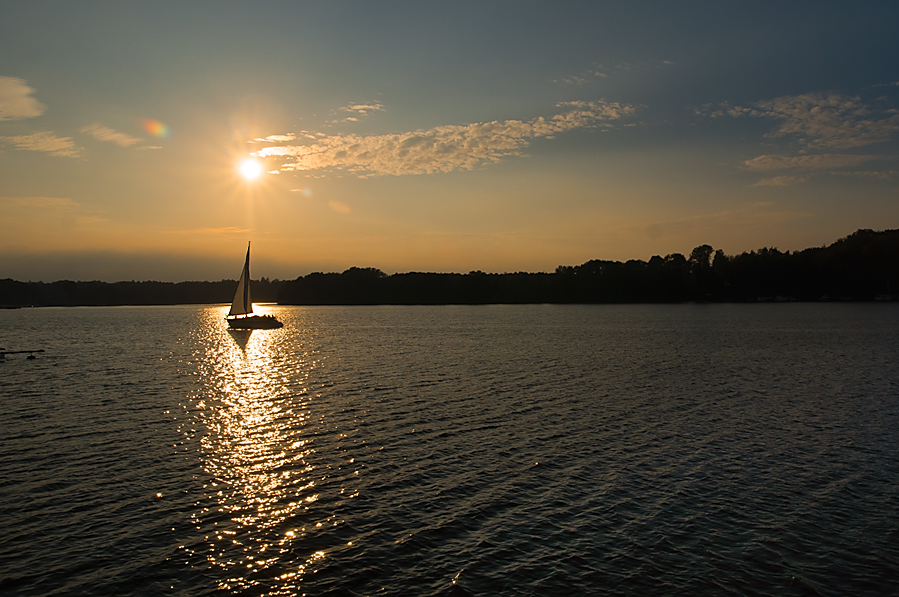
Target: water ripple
741	449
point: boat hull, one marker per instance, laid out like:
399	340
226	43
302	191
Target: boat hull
255	322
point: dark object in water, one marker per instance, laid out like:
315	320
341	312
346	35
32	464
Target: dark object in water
30	357
240	316
255	322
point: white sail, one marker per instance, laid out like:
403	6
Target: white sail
242	303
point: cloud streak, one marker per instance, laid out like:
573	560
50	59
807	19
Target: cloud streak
363	109
807	162
104	133
829	121
16	102
275	139
780	181
359	111
445	148
818	120
45	141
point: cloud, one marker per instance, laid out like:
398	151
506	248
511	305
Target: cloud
818	120
725	109
363	108
359	110
45	141
780	181
16	102
884	175
275	138
444	148
599	71
104	133
807	162
834	120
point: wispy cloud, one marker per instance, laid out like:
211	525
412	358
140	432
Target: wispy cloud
780	181
363	108
359	111
44	141
575	80
445	148
808	162
818	120
723	109
601	71
16	102
275	139
104	133
826	121
878	174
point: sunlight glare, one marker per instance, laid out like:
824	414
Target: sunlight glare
250	169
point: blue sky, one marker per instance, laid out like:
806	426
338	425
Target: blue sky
499	136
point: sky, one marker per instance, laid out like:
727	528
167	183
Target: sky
152	141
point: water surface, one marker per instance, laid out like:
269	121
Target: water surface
515	450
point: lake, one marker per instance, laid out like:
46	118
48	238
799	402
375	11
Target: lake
452	450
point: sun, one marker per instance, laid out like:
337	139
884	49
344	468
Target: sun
250	169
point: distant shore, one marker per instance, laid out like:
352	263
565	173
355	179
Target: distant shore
864	266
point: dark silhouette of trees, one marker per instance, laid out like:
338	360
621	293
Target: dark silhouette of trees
862	266
68	293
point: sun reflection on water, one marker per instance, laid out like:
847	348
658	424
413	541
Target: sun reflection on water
255	408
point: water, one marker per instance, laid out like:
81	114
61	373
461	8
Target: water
467	450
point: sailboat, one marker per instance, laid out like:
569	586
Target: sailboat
241	314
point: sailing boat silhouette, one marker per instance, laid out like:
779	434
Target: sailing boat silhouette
241	314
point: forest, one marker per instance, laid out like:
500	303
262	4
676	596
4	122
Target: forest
863	266
66	293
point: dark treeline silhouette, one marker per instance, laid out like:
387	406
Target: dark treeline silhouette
68	293
863	266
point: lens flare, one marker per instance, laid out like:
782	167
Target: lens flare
156	128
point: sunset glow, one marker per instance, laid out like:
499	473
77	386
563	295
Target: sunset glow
580	133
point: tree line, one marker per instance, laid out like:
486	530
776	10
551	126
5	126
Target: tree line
68	293
863	266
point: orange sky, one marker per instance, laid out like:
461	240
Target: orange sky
418	142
